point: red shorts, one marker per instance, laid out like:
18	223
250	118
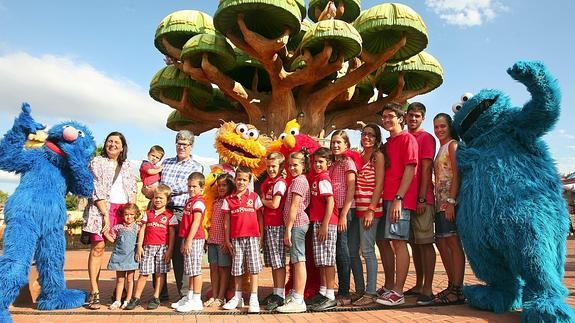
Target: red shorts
115	218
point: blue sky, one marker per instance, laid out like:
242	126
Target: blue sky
92	61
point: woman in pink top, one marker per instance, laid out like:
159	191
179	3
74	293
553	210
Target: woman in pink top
446	189
369	204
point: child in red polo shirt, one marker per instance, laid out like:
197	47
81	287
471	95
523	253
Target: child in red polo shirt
243	228
324	219
155	246
193	238
273	198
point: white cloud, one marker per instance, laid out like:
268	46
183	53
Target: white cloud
466	12
6	177
62	88
562	133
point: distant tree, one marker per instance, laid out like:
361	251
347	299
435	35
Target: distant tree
3	197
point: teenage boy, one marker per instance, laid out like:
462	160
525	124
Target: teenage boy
422	236
399	195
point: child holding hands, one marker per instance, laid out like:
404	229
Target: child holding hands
123	261
155	246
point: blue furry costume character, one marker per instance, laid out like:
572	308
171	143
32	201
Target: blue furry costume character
36	213
511	216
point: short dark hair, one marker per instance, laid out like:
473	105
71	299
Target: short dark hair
245	170
397	109
197	176
158	149
323	152
417	107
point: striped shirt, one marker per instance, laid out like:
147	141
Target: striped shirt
175	174
364	187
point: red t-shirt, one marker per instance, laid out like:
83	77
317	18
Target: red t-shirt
320	188
243	214
402	150
272	187
156	232
148	179
194	204
426	144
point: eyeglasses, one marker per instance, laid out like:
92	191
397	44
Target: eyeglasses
182	145
368	135
388	116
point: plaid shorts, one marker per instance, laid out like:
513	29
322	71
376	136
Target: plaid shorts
274	248
324	253
246	250
193	260
153	260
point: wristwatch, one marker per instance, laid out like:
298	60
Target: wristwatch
398	197
451	200
421	200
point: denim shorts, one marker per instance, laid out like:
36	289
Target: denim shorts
398	230
444	228
217	256
297	250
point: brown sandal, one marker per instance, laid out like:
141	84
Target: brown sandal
93	301
453	297
445	291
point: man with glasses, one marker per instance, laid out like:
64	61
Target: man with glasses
399	196
175	174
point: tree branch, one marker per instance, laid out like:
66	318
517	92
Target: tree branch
316	68
232	88
371	63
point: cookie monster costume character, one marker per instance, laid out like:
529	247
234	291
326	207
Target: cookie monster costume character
36	213
511	216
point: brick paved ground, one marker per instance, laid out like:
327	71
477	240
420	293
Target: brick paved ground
77	277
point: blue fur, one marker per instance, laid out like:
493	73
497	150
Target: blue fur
36	213
511	217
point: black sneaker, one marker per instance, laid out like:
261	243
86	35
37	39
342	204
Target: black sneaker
154	303
324	305
315	299
274	302
132	304
424	299
266	299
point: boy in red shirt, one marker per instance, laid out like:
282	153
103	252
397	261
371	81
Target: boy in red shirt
155	246
193	238
324	219
150	171
243	228
400	197
274	189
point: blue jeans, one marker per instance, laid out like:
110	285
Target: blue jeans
367	238
347	256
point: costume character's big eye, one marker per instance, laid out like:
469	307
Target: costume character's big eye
294	131
241	129
65	126
466	96
253	134
80	133
283	136
456	107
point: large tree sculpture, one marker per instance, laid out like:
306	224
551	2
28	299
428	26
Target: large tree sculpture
259	62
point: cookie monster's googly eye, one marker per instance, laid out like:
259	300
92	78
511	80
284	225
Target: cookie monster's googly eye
466	96
294	131
283	136
241	129
253	134
456	107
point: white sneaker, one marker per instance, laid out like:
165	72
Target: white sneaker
124	305
254	307
190	306
291	306
179	303
116	305
233	303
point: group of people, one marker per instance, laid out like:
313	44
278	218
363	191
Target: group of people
387	199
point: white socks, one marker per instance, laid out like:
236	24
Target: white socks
322	290
254	298
197	297
239	294
330	293
280	292
298	298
